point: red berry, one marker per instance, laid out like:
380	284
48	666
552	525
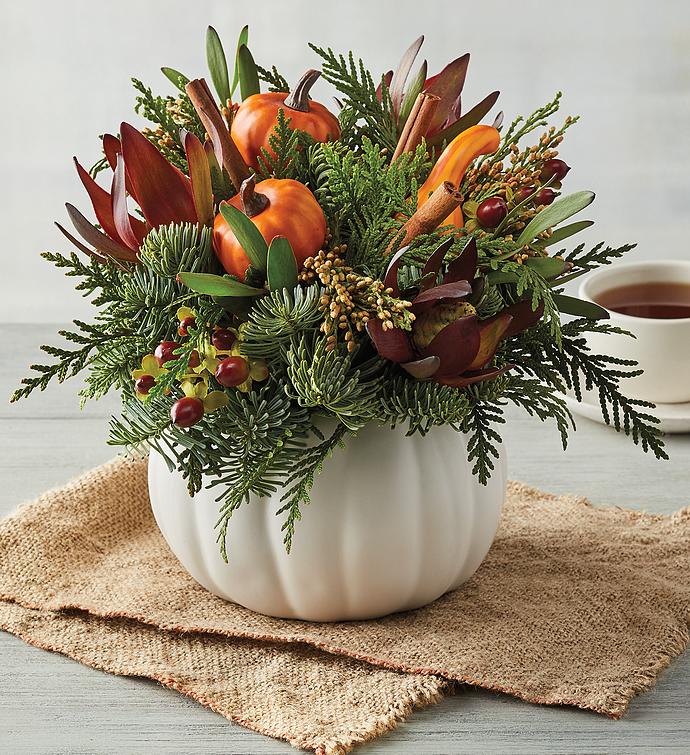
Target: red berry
523	193
232	371
491	212
164	351
554	168
194	359
186	412
223	339
545	196
144	384
185	325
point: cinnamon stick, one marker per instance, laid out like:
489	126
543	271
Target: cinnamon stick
431	214
417	124
223	145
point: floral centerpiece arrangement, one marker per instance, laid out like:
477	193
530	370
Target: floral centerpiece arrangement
271	275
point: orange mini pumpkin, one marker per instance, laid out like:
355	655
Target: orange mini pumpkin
257	115
277	207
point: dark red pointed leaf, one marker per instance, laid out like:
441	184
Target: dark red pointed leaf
455	290
470	378
464	266
102	203
491	332
448	86
478	286
390	279
470	118
379	94
393	344
453	113
100	241
112	148
523	317
433	264
397	85
130	230
79	245
456	346
163	192
422	368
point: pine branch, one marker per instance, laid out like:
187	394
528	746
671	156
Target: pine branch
275	320
421	404
326	379
298	494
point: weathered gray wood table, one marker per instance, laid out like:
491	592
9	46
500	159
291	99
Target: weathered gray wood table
49	704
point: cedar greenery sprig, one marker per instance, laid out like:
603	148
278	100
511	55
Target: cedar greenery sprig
360	99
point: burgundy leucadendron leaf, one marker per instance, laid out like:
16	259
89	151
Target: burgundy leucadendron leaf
397	85
78	244
101	201
163	192
130	233
200	176
464	266
390	279
393	344
456	346
447	85
112	148
454	290
422	368
523	317
433	264
470	118
98	240
490	334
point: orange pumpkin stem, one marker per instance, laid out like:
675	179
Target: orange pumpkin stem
298	99
253	203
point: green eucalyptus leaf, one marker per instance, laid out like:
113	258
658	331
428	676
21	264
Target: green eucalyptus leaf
177	78
249	76
555	213
247	234
242	40
281	265
565	232
217	285
579	307
236	305
411	95
547	267
217	65
501	276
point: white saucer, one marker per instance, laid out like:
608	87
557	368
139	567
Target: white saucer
674	418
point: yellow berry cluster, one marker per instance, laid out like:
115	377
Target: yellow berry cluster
350	300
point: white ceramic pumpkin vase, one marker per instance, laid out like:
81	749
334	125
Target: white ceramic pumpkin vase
394	523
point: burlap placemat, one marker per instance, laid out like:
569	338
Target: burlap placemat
574	605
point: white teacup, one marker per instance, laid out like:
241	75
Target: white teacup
661	347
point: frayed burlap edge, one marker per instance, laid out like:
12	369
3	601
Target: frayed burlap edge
429	693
